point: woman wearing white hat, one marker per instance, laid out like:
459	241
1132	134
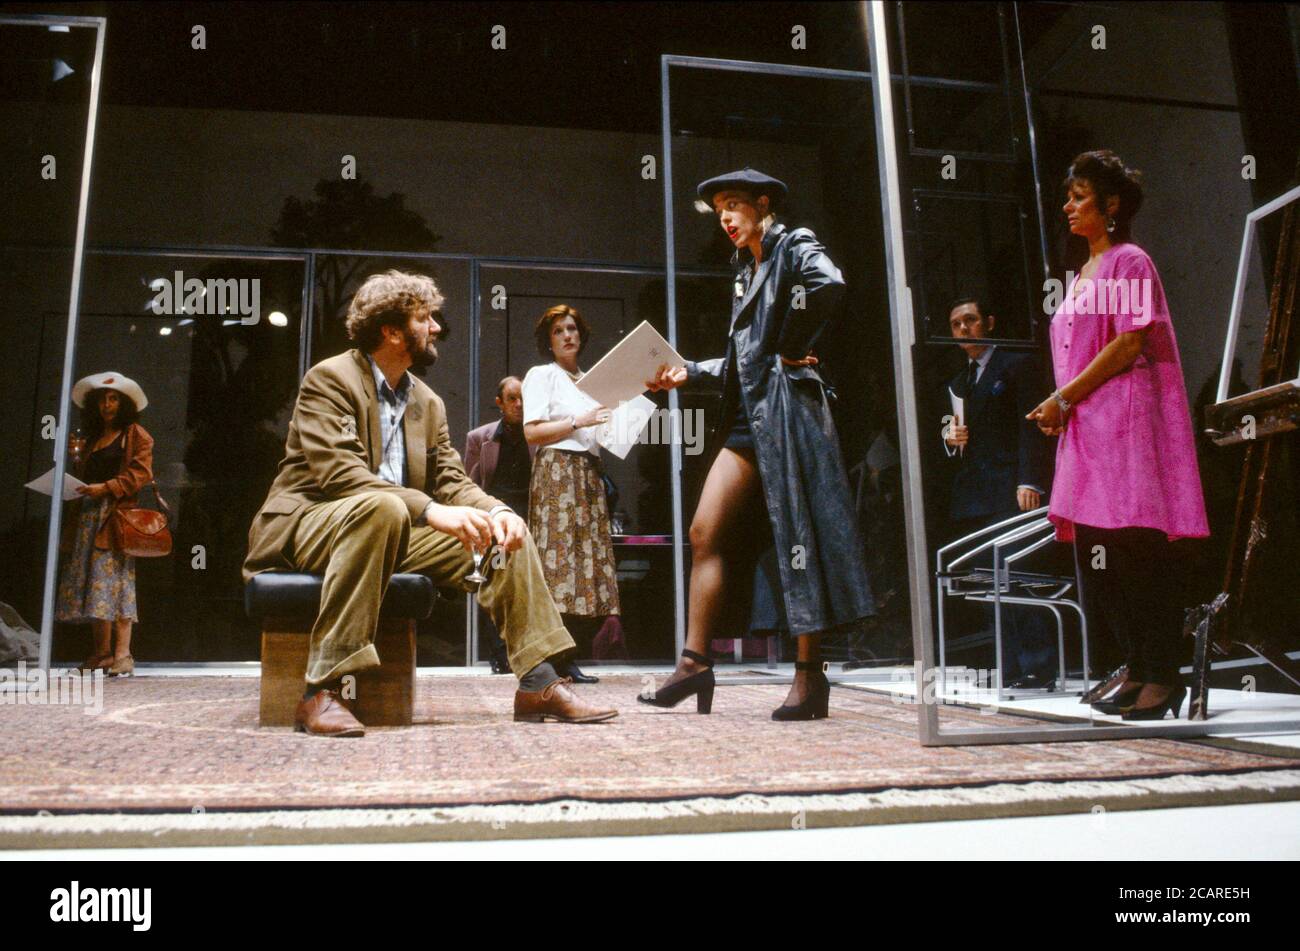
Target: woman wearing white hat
113	454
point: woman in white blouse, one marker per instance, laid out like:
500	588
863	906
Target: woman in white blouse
568	515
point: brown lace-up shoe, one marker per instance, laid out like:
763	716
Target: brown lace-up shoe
557	702
325	715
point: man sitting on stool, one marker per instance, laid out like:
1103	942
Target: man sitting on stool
370	485
1001	466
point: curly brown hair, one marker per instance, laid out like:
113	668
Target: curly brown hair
542	332
387	299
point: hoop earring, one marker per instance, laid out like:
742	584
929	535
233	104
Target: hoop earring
1110	225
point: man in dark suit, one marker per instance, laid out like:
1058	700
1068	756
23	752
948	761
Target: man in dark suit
1002	467
497	456
500	460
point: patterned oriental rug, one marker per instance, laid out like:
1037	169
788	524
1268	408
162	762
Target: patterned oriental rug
181	761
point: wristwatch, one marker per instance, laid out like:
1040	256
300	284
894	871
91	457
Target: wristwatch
573	421
1061	401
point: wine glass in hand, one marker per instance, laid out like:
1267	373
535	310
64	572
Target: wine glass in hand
476	576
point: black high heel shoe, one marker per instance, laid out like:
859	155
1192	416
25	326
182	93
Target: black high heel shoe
1171	704
699	684
1106	688
816	705
1120	700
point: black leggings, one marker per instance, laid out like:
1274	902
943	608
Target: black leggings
1131	588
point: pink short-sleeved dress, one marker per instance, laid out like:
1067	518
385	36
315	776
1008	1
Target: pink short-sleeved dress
1127	457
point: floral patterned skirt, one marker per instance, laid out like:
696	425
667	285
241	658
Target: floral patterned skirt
569	520
95	584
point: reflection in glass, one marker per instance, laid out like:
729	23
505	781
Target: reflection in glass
219	375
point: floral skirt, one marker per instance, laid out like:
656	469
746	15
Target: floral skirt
569	520
95	584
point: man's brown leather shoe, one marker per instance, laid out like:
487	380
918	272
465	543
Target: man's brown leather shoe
557	702
325	715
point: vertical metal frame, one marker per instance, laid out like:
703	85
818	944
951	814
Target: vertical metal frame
475	329
307	322
99	25
900	311
1239	290
674	401
1033	142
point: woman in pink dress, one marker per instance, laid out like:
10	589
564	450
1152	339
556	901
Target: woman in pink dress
1126	483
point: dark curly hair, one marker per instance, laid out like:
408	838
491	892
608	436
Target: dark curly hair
1109	176
542	332
92	424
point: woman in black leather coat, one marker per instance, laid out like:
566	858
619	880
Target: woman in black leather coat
780	446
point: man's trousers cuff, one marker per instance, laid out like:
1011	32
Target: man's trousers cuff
539	649
363	659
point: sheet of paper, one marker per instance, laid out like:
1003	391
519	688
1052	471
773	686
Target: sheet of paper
620	375
626	423
45	485
958	415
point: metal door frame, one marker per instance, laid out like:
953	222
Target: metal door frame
99	25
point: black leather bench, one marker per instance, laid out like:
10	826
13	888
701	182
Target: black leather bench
287	603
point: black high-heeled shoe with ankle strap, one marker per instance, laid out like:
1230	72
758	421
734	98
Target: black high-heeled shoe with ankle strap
816	704
699	684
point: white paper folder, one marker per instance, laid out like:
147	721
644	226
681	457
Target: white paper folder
619	376
45	485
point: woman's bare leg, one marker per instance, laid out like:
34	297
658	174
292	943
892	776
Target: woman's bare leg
102	631
732	484
809	650
122	650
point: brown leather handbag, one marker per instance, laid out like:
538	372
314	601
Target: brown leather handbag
141	532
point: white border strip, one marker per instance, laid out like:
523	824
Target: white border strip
566	818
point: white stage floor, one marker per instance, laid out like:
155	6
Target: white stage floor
1225	706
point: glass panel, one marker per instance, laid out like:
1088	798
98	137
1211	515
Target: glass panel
45	74
816	135
440	638
965	44
213	344
973	244
612	303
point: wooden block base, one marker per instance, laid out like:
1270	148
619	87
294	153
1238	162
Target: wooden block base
385	695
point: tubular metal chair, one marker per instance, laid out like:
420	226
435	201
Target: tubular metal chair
1010	541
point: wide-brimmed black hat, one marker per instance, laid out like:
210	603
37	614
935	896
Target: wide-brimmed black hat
747	179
